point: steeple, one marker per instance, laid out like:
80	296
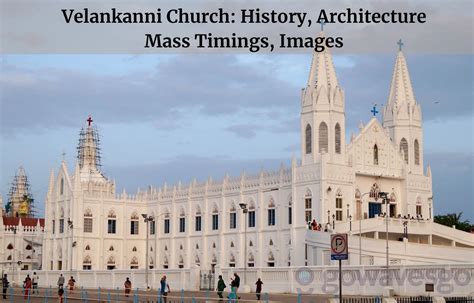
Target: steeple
322	111
88	152
402	116
401	90
20	199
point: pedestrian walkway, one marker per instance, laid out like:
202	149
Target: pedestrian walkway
117	295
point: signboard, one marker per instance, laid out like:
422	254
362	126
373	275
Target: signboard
339	247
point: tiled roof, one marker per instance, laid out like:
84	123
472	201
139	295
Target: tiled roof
24	221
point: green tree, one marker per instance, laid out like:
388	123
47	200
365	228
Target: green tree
453	219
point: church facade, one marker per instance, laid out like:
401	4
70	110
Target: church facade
251	220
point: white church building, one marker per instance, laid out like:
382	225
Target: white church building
90	226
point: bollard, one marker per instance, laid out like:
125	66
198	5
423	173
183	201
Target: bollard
299	297
117	295
159	295
192	300
98	294
108	297
12	292
182	296
265	296
65	295
28	297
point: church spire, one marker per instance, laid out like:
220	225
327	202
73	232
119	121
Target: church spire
88	150
401	90
322	72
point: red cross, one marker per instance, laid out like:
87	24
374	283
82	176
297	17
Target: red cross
89	120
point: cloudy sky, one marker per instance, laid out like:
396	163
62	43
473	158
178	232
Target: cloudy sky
175	117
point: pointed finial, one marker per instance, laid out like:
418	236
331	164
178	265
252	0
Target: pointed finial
400	45
322	23
63	154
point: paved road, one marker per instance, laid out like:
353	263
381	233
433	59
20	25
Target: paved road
91	295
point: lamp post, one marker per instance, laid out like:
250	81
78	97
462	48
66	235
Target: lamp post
360	227
350	222
14	255
147	219
71	228
245	210
385	199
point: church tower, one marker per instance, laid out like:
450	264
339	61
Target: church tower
322	112
402	116
88	153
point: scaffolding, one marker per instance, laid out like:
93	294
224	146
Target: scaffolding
88	149
20	200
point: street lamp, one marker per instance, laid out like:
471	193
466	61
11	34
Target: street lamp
350	222
385	200
329	212
245	210
148	219
333	222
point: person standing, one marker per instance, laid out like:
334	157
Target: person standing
71	283
5	284
35	283
220	287
128	287
236	282
27	285
61	281
163	287
258	289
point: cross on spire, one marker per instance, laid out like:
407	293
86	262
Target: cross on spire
374	110
89	120
400	44
322	23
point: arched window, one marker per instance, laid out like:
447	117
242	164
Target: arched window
215	218
134	249
88	247
271	260
134	263
271	212
111	222
231	243
166	221
111	263
404	149
134	221
151	263
337	137
308	139
251	260
197	260
233	217
10	246
9	258
198	219
308	206
165	262
87	263
417	152
61	186
232	260
182	221
88	221
270	243
376	155
290	211
111	248
28	247
323	138
339	205
374	191
251	214
180	262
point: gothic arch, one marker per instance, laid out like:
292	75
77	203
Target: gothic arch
338	192
134	216
404	149
270	256
87	260
417	152
214	259
271	202
232	207
182	213
308	193
374	191
337	138
357	194
61	186
111	248
251	204
215	209
198	210
197	260
323	137
376	154
111	260
134	261
10	246
88	213
308	139
111	213
87	247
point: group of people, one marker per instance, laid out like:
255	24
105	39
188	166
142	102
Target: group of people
315	226
70	284
29	284
164	287
234	287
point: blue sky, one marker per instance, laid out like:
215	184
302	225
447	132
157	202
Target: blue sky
175	117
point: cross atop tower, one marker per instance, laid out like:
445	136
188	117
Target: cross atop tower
374	110
400	44
89	120
322	23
